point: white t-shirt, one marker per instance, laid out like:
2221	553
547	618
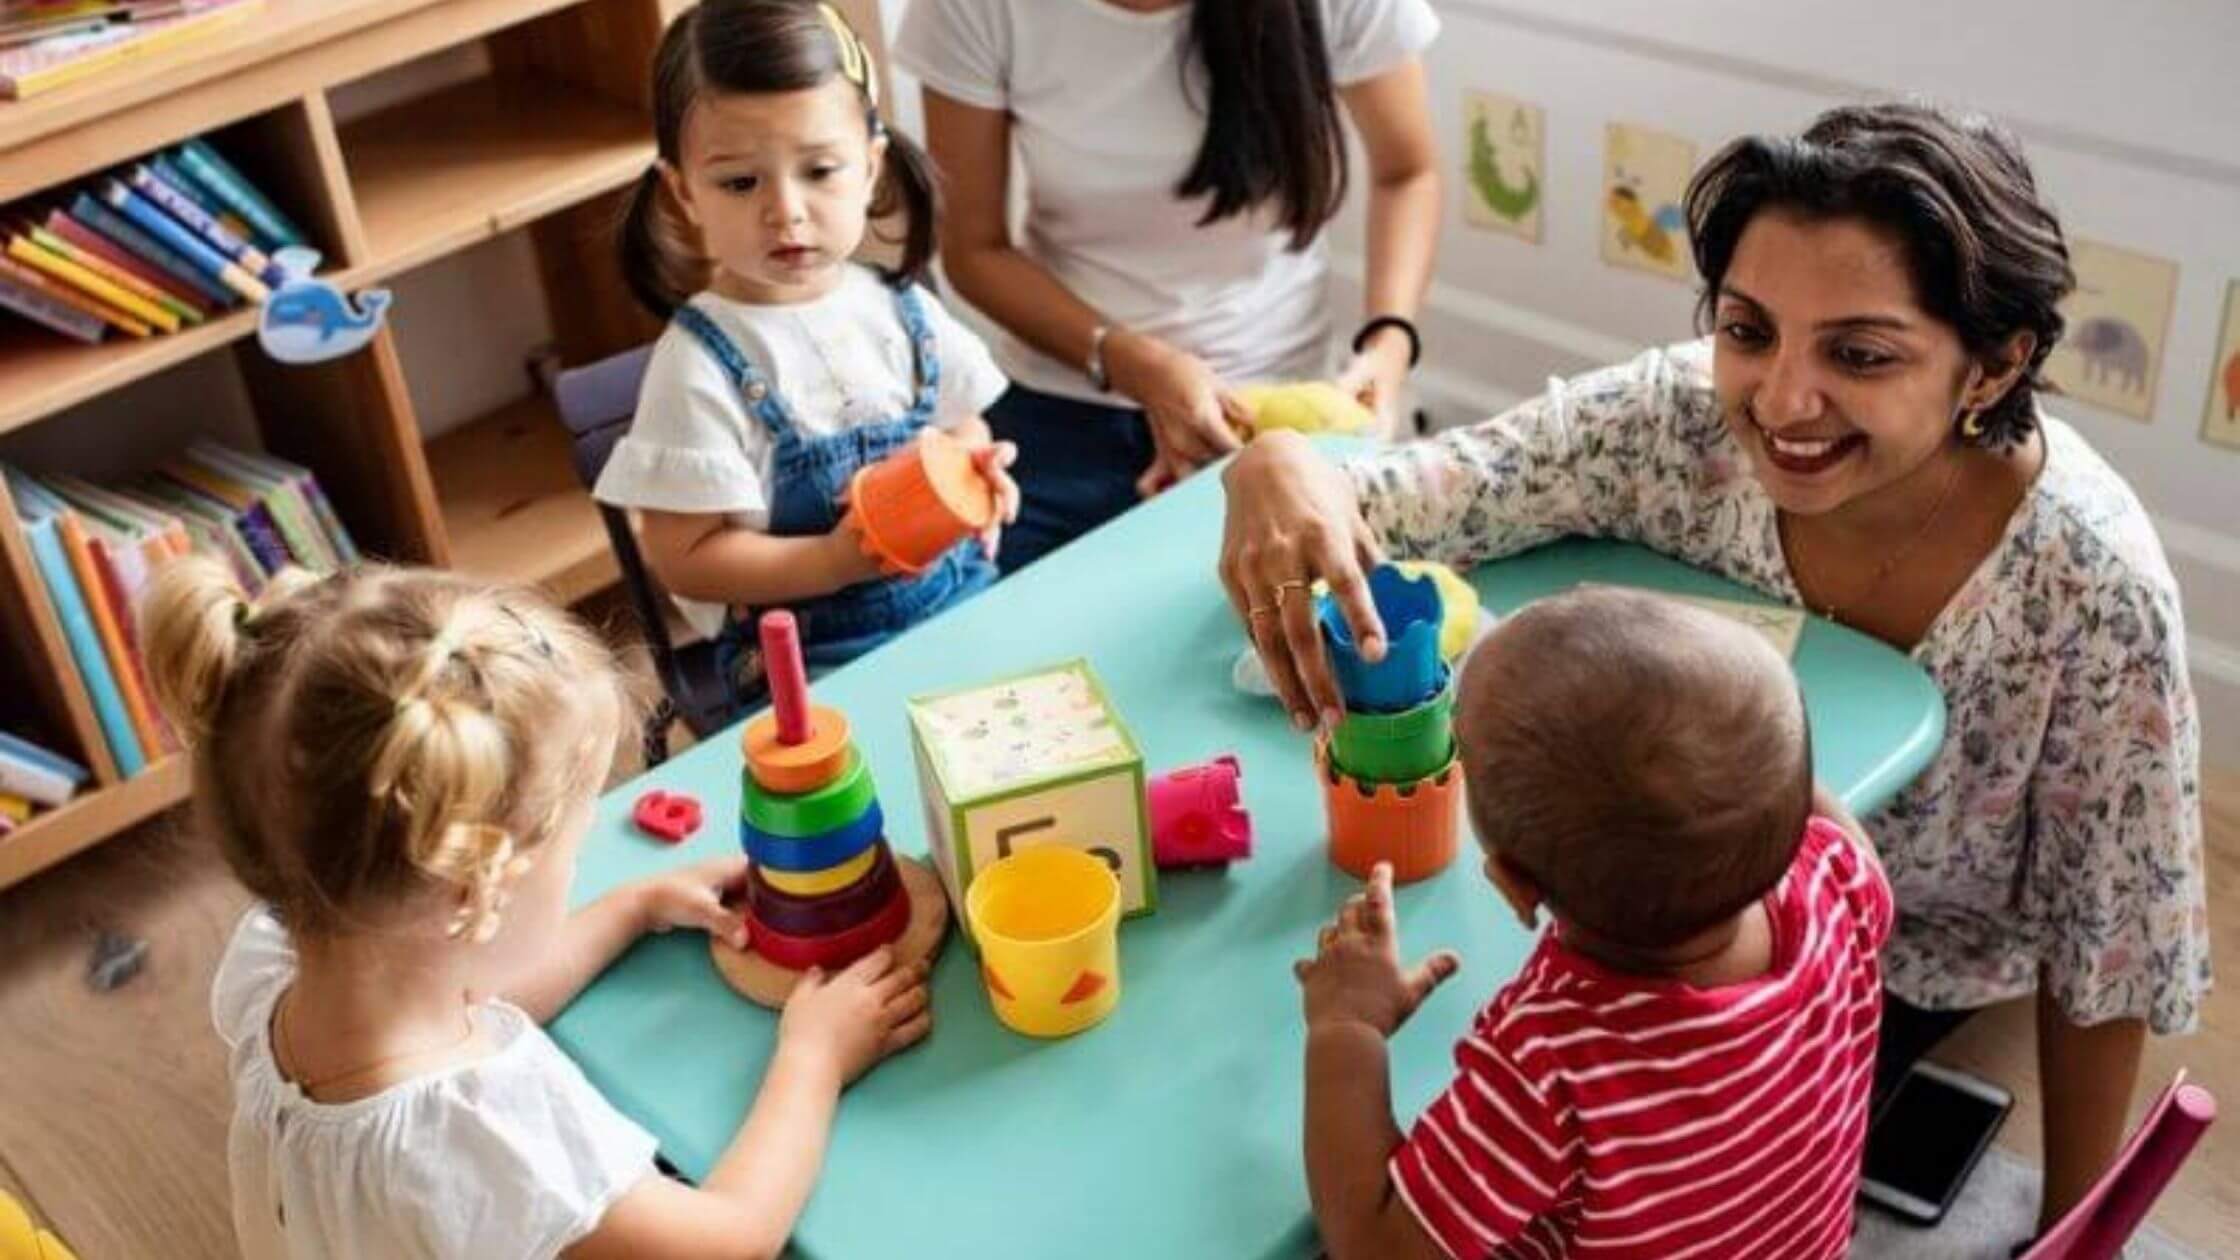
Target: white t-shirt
841	361
513	1155
1104	128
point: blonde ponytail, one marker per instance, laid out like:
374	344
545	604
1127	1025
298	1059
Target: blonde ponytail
432	732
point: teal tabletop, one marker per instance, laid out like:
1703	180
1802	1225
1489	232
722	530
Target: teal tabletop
1172	1129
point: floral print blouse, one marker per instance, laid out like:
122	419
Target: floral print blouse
2058	831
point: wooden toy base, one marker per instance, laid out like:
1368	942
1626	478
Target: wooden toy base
759	980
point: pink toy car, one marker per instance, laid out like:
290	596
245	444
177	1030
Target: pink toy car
1196	818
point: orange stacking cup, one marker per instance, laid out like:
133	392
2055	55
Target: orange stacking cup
1411	825
917	503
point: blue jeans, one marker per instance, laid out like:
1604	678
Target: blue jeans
1078	464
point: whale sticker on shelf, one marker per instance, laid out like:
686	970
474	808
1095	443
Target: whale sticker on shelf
307	320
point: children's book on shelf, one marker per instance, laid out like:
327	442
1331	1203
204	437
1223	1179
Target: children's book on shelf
36	774
162	244
91	38
42	515
98	549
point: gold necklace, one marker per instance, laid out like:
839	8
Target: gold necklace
1834	612
285	1044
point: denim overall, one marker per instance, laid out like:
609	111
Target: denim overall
809	476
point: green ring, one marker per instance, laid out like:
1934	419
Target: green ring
811	814
1397	747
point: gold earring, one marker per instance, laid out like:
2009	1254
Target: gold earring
1971	426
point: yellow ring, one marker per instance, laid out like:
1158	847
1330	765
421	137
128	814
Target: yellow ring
817	883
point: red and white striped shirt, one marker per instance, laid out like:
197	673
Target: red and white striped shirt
1601	1114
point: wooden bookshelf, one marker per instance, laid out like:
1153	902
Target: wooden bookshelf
542	144
513	507
457	167
91	818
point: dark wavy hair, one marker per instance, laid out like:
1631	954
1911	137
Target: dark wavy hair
735	46
1985	252
1272	133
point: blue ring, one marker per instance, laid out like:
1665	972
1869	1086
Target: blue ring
791	853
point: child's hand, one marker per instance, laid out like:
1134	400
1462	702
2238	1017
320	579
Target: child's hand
994	462
855	1019
1355	975
847	561
693	896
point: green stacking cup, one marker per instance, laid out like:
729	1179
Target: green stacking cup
1397	747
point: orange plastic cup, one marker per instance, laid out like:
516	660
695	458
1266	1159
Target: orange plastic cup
917	503
1411	825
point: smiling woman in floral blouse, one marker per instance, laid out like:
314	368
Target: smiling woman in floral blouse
1860	435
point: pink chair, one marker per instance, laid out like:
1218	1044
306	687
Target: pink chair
2096	1228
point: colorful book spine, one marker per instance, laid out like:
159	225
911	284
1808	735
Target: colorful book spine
43	776
116	288
128	552
144	215
182	300
171	173
88	210
208	524
297	528
31	258
85	648
35	305
263	542
94	587
183	207
330	523
210	171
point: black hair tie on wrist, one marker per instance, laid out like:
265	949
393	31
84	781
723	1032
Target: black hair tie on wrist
1370	329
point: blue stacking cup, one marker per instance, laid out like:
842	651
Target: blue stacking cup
1412	671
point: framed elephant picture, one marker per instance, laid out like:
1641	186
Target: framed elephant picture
2118	318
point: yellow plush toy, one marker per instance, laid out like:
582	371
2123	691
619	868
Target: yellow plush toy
20	1240
1458	606
1307	406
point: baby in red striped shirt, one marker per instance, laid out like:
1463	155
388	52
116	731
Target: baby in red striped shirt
1681	1066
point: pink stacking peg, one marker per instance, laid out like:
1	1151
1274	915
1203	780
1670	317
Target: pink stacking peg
789	678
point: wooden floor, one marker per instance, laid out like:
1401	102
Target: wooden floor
113	1106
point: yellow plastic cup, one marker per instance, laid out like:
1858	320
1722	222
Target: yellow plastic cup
1047	921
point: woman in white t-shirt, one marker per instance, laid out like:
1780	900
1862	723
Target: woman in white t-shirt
1180	159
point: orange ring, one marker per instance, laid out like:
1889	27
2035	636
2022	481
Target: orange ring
1410	825
795	769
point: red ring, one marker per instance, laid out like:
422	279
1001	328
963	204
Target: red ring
800	953
806	917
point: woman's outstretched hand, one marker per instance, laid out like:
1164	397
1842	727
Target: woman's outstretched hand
1293	518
